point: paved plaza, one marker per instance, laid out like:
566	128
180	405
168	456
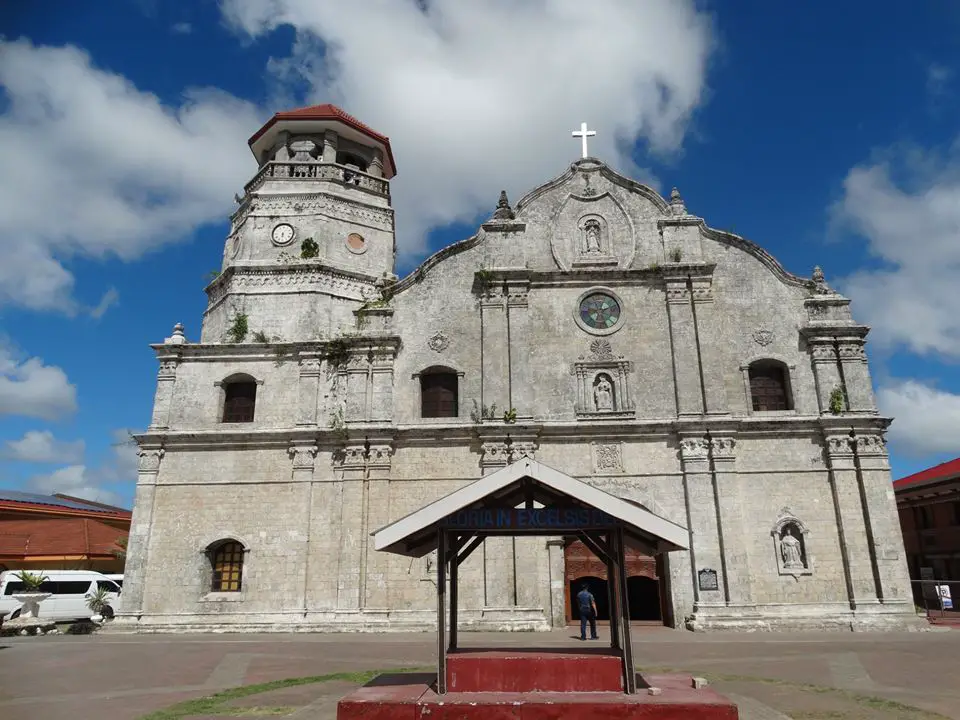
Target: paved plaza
825	676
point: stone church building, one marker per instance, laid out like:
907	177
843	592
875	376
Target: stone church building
594	326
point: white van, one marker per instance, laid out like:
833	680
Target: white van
68	590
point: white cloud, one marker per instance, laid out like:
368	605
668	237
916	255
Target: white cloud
31	389
927	420
40	446
907	206
94	483
478	96
182	28
110	298
115	172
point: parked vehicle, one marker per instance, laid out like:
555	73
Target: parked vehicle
116	577
68	590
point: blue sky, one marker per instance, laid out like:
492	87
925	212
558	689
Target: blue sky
824	132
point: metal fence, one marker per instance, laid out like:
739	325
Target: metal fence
938	598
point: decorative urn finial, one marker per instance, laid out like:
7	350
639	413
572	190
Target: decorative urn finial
503	211
676	203
178	338
819	284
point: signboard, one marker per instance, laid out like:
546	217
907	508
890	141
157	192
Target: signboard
946	601
518	519
708	579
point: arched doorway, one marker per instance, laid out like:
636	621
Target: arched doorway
645	589
598	587
644	594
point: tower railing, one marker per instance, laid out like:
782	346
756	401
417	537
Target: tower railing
286	170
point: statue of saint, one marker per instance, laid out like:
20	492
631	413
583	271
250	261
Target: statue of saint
790	550
592	230
603	394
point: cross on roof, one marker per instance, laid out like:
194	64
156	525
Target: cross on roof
583	134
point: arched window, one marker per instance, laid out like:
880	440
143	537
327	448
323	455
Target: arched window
770	386
227	561
438	393
239	400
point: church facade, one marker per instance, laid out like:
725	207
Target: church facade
595	326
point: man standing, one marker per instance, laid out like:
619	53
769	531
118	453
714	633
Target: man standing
588	612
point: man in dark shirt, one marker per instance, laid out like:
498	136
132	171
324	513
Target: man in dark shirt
588	612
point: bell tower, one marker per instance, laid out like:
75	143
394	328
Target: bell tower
315	221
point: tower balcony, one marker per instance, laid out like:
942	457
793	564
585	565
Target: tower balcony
344	175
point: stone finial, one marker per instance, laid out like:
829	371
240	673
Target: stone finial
819	284
178	338
503	211
676	203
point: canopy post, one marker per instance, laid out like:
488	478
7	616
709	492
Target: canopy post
611	600
454	566
629	670
441	612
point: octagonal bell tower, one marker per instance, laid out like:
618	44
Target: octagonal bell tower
315	221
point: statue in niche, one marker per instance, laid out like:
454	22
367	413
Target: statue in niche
603	393
791	550
592	231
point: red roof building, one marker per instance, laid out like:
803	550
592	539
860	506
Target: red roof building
60	532
928	503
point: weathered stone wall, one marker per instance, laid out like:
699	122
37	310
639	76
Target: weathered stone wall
338	449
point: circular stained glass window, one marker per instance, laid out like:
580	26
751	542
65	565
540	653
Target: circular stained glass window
599	311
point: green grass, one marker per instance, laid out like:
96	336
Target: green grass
216	704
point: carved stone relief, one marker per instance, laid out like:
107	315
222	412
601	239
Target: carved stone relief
602	383
763	336
607	458
593	231
148	461
438	342
302	456
494	454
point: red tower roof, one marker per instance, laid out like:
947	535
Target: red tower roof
327	112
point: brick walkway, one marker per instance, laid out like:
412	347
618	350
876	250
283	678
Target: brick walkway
123	677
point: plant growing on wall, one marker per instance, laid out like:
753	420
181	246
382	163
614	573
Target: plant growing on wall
484	279
212	275
482	412
337	352
261	337
653	267
676	255
510	416
309	248
838	400
120	551
238	330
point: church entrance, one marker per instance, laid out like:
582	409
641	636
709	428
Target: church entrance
644	587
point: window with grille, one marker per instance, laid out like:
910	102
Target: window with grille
768	387
227	567
438	395
240	400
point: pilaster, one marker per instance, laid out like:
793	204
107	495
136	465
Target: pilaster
331	142
494	348
138	542
308	390
352	467
856	374
381	385
710	340
826	371
375	565
302	457
880	510
499	561
683	343
732	524
558	581
518	324
166	379
705	551
854	548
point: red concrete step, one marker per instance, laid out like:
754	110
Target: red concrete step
407	697
520	671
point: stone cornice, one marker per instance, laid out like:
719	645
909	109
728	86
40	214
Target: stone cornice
467	433
269	351
321	203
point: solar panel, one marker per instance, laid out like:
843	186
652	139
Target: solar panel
18	496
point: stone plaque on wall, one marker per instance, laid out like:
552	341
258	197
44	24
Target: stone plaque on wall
708	579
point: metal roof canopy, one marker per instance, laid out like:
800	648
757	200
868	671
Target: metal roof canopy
416	534
553	503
